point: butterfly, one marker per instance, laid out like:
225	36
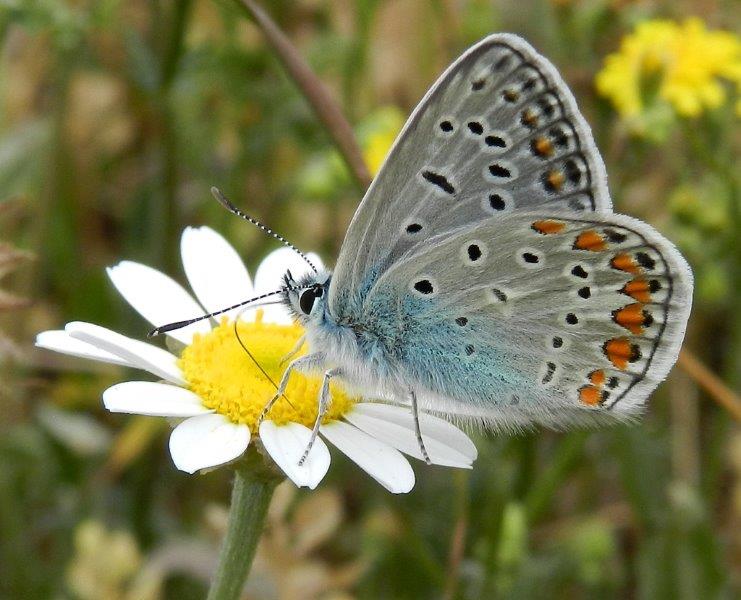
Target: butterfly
484	274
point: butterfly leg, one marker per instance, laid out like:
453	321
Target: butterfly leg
417	430
324	399
294	350
311	362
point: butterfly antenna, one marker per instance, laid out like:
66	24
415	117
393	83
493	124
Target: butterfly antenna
224	201
257	364
180	324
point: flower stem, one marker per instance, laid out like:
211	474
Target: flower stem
251	496
317	94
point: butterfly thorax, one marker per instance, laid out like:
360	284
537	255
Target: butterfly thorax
345	343
357	348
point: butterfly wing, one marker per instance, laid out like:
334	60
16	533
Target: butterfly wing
536	318
499	131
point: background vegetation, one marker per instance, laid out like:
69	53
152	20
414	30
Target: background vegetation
116	118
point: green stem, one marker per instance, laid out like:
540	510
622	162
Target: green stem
250	500
174	49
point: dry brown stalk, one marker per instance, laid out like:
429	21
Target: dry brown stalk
314	90
710	382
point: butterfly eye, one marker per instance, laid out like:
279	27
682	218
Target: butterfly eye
306	302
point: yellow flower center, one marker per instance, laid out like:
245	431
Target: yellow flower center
223	375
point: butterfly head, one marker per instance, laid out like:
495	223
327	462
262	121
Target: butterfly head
306	296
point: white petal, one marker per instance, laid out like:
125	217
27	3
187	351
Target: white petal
153	399
269	277
61	341
215	271
207	441
157	298
445	443
136	353
382	462
286	445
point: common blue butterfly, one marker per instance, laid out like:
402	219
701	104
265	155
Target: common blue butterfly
484	274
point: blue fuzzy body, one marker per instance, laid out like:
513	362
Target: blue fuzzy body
385	350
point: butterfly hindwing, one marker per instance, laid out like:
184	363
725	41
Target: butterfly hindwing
498	132
536	317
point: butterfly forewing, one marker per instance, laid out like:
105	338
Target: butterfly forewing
542	318
498	132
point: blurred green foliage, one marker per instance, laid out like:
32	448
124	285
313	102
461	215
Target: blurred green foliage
116	118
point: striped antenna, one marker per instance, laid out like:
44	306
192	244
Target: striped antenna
224	201
180	324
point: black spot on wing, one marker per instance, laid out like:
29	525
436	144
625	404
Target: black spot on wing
476	128
550	370
499	294
423	286
497	202
578	271
439	180
495	141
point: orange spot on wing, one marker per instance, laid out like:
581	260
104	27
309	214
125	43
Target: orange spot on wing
529	118
555	180
638	289
590	395
632	317
590	240
620	352
624	262
543	147
597	377
548	226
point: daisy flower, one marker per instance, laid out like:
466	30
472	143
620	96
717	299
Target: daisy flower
219	392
